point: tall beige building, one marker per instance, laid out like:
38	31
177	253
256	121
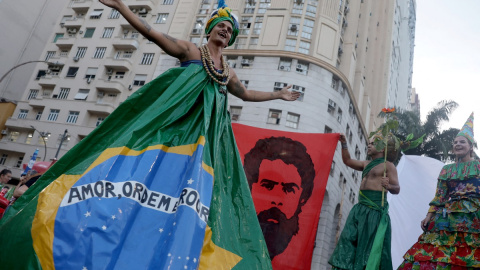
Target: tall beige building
348	59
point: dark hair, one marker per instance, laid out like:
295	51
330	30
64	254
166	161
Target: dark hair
287	150
5	171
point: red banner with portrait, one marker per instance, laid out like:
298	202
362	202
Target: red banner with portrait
287	174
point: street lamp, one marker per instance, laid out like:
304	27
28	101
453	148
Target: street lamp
43	135
64	136
19	65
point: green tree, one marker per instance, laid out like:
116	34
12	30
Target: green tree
436	143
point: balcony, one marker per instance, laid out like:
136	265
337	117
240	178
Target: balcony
99	108
48	81
36	102
65	43
81	6
74	23
120	64
125	43
141	4
110	86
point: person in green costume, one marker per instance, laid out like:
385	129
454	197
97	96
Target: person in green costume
451	238
355	248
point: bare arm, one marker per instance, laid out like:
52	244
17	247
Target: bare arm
358	165
19	191
180	49
392	185
237	89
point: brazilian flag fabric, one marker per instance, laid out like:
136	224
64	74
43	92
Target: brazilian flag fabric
158	185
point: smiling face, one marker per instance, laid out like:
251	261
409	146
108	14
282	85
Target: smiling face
221	33
4	178
462	147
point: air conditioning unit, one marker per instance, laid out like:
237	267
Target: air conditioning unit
48	71
100	94
282	68
76	58
89	79
109	71
197	31
130	87
340	51
134	10
293	28
143	11
62	24
4	132
80	32
72	31
245	62
245	19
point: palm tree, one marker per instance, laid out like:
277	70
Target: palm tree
437	143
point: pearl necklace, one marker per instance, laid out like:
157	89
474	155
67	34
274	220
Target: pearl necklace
220	78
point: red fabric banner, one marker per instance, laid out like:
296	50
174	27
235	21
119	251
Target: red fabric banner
287	174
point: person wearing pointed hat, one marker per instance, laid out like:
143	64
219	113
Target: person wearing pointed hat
451	238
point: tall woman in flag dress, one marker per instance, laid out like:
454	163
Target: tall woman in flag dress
452	225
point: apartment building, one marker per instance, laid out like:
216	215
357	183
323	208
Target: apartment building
348	59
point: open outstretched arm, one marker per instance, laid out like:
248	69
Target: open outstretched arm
237	89
177	48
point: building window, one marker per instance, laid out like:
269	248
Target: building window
204	8
139	80
327	129
46	93
232	61
53	115
300	89
292	120
240	43
307	28
244	82
199	26
290	45
339	115
167	2
278	86
82	94
50	54
264	5
57	36
63	93
81	52
43	138
89	32
285	64
304	47
22	114
247	62
250	7
245	25
3	159
257	27
119	74
91	72
72	117
96	14
147	59
99	52
72	72
331	107
114	14
274	117
99	121
341	180
357	152
64	53
13	136
123	54
28	140
235	112
301	68
108	32
297	7
332	168
33	94
39	115
293	27
312	8
162	18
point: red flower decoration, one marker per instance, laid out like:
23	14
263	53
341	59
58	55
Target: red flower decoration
388	110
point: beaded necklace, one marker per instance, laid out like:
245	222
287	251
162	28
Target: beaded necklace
220	78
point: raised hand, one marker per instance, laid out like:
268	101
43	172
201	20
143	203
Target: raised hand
288	95
111	3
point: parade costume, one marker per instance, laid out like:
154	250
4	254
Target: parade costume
452	236
181	115
362	228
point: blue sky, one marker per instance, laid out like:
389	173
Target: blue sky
447	57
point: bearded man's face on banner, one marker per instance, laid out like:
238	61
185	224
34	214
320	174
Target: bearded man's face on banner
276	196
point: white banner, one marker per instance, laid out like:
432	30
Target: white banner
418	180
